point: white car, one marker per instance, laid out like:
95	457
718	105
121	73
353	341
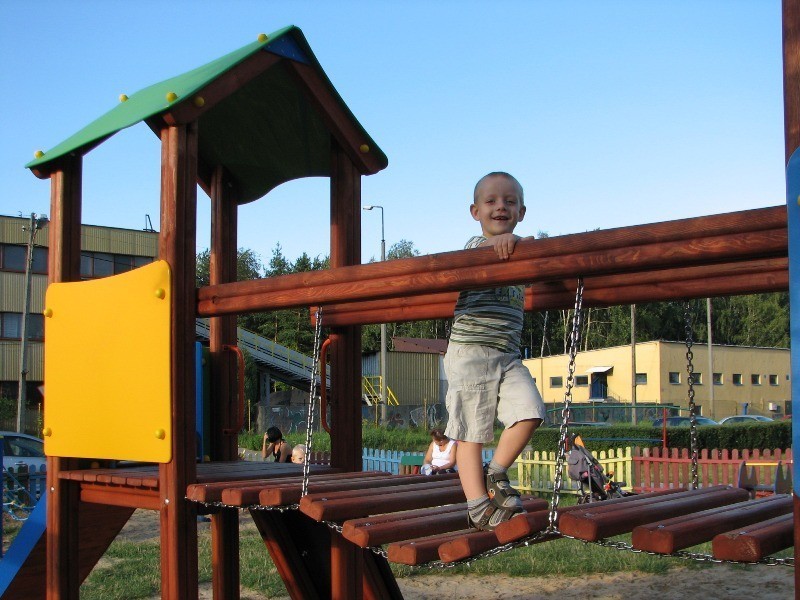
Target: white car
745	419
22	449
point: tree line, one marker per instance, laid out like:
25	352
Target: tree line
754	320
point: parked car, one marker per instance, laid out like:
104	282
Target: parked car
21	448
745	419
684	421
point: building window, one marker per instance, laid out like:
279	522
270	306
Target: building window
674	377
102	264
12	257
755	379
581	380
697	378
737	379
39	265
717	378
556	382
11	326
641	379
773	380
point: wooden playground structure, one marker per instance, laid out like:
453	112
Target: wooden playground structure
240	126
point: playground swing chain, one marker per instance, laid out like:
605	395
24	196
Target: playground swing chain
687	319
312	393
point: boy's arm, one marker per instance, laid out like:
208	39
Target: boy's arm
503	244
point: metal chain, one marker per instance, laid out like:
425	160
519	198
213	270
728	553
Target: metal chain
574	344
312	396
687	318
684	555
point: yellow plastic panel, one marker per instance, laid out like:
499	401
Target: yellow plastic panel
107	367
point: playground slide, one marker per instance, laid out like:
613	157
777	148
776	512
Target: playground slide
22	569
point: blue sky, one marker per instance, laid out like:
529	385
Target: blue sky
610	113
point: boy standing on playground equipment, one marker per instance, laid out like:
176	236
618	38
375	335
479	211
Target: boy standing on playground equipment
486	378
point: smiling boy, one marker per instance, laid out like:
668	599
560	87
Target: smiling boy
486	378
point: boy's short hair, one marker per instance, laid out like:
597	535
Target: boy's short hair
508	176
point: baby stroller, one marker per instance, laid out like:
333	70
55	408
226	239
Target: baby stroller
583	467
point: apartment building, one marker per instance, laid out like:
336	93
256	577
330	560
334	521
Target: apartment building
104	251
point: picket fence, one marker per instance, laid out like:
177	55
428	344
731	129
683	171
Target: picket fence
33	480
649	469
389	460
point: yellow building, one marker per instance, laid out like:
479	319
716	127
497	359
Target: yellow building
755	380
104	251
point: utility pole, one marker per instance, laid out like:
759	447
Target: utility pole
634	419
710	361
383	325
36	223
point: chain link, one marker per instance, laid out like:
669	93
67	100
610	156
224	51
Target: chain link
312	396
687	319
574	344
684	555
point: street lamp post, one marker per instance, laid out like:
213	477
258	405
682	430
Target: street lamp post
36	223
383	325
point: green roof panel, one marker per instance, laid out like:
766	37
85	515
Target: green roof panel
264	133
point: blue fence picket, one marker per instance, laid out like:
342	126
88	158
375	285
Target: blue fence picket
373	459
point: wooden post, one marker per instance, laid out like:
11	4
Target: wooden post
177	241
223	406
791	122
346	562
63	581
345	341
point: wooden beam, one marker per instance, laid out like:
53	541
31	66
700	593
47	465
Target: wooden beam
177	241
63	582
690	241
766	275
385	280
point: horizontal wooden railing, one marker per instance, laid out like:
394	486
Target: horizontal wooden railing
651	469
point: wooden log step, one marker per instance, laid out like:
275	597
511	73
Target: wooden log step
340	506
593	524
212	491
284	495
249	493
755	542
406	525
527	525
681	532
421	550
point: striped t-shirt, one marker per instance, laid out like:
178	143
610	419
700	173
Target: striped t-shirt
490	317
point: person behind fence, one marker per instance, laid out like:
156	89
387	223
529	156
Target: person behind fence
441	455
299	454
486	378
274	445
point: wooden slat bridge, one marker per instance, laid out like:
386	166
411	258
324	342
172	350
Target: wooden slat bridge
418	520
